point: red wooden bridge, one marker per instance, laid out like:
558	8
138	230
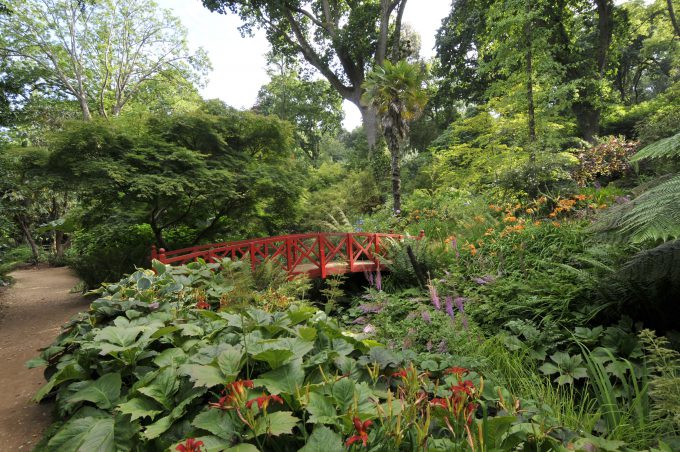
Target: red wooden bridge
317	254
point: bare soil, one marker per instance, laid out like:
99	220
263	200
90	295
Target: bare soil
31	314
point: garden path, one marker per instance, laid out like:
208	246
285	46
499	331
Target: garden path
31	313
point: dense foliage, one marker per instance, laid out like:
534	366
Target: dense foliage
538	151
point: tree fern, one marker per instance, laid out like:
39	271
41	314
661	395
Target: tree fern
665	148
648	266
652	216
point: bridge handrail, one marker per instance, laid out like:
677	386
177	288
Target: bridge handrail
293	247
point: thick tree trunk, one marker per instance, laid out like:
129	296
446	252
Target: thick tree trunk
23	224
369	119
59	245
588	120
85	108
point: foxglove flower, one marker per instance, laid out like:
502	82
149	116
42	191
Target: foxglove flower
378	280
442	347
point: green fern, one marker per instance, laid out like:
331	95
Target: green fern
665	148
650	266
652	216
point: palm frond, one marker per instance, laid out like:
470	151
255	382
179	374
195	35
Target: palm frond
665	148
654	215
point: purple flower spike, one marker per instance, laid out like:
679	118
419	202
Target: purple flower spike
459	304
428	346
442	348
369	277
454	245
449	307
154	305
434	297
426	317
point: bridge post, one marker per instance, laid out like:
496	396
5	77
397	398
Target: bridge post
251	251
289	255
154	252
161	255
350	252
322	255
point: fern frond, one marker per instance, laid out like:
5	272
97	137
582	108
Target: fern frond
654	215
653	265
665	148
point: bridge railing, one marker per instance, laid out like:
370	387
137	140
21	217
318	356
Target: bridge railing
315	254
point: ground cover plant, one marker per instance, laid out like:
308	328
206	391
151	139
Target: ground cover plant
176	359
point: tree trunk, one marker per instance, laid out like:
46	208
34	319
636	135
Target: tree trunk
674	20
59	244
587	119
23	224
394	144
370	122
87	116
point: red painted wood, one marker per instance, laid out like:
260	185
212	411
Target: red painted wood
316	254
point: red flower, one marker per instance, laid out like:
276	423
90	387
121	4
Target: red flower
457	371
191	445
202	305
263	401
439	402
470	412
467	387
361	430
233	395
402	373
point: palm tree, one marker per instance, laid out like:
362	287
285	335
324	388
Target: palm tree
395	91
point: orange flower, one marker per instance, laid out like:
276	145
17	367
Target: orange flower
510	219
556	224
530	211
552	214
580	197
473	250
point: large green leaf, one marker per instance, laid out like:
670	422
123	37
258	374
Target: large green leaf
274	357
160	426
230	361
103	392
321	409
84	434
323	439
66	373
275	424
162	388
343	393
216	422
207	376
286	378
139	407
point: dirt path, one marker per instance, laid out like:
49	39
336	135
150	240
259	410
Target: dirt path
32	311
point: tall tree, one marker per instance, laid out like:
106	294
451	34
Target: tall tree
101	53
340	39
313	106
397	93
